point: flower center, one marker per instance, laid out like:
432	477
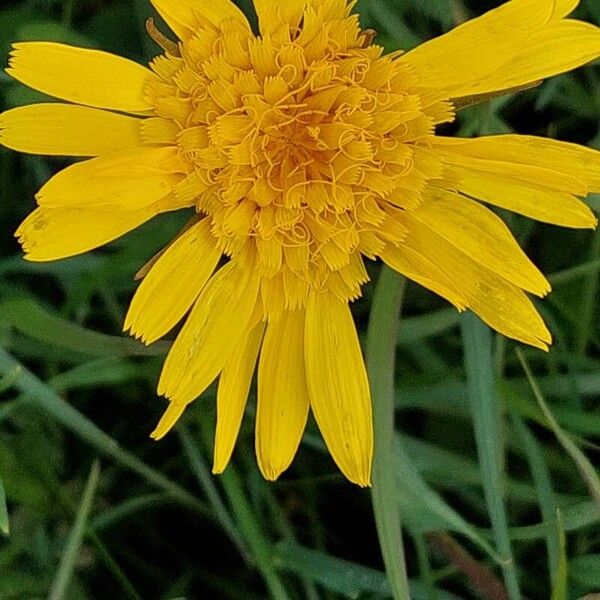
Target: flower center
300	147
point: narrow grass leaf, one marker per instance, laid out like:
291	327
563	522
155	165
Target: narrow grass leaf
415	329
60	584
115	514
8	381
559	580
47	400
434	463
425	511
285	529
343	577
573	273
109	371
574	518
249	523
424	562
488	425
587	308
207	483
585	467
380	354
444	397
545	493
29	318
107	558
9	406
4	522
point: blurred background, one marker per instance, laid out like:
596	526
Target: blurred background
91	508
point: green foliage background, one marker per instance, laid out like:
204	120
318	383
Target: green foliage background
483	466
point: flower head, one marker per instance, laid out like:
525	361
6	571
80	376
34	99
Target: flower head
303	151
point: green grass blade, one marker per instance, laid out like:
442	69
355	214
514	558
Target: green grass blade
67	563
575	517
424	510
121	512
588	299
47	400
343	577
207	483
29	318
106	557
573	273
249	523
488	425
8	381
424	562
434	463
545	492
380	353
585	467
4	522
559	580
443	398
97	373
418	328
577	421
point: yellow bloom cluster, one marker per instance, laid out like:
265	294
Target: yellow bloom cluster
302	151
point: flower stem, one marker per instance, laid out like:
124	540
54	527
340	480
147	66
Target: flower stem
380	353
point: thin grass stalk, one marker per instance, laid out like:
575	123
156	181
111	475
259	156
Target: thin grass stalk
488	425
381	354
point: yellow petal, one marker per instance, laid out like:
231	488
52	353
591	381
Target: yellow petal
483	236
536	177
548	206
282	394
338	385
578	162
518	43
81	75
67	130
413	265
446	63
173	283
234	385
55	233
562	8
503	306
210	335
168	420
127	180
558	48
183	16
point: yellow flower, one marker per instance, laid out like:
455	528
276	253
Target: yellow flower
302	151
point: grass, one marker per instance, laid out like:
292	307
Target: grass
381	359
487	452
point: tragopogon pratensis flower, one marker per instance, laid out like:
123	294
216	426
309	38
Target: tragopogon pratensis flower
302	151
